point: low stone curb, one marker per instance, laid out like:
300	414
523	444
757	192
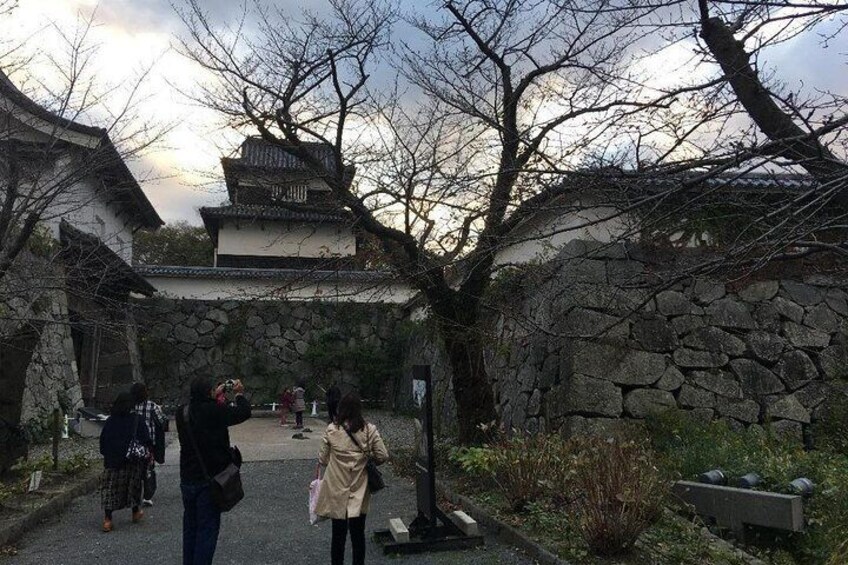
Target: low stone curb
503	531
55	505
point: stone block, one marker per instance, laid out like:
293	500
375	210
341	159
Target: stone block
691	397
627	273
655	335
582	322
715	339
800	293
788	309
587	395
756	380
671	379
691	358
735	507
788	429
706	291
759	291
218	316
719	382
796	369
464	522
787	408
836	300
765	346
617	364
701	415
205	327
687	323
185	334
673	303
400	533
642	402
730	313
834	362
813	394
534	403
747	411
821	317
801	336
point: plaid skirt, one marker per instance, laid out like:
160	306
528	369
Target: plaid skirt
121	488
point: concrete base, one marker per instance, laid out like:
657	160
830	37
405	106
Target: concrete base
465	523
398	530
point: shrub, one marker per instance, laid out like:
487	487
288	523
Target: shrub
621	494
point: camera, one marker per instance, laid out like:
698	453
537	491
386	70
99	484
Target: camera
228	385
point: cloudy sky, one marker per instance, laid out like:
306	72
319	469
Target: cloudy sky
183	173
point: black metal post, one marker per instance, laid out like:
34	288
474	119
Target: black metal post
56	433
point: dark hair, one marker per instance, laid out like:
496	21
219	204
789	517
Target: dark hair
123	404
301	383
350	412
139	392
200	387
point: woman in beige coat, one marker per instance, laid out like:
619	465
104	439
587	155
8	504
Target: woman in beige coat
344	495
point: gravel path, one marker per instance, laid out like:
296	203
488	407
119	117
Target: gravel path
269	526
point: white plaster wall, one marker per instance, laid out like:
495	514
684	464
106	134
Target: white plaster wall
392	292
277	239
543	238
81	204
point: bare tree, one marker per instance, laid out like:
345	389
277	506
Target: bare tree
41	174
491	103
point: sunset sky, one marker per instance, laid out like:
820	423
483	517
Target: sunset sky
184	173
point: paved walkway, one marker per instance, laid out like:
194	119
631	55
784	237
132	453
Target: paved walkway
269	526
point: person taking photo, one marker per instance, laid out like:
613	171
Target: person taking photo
205	451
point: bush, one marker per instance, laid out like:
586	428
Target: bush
621	494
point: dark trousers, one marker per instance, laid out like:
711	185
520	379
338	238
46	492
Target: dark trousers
357	540
201	523
298	419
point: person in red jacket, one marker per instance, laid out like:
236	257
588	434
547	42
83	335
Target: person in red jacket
286	401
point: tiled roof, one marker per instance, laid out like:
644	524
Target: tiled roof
266	274
290	212
256	152
112	161
91	259
762	181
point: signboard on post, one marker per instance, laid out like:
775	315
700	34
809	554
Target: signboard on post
432	529
425	472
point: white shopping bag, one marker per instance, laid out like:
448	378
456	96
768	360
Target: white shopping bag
314	490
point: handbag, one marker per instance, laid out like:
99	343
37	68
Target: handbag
376	483
136	451
225	487
314	492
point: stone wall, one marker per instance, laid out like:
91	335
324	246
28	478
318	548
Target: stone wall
33	296
270	344
587	340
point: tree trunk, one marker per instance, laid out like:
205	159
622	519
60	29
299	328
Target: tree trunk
475	402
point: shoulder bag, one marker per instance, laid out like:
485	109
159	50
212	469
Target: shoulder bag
135	450
376	483
225	487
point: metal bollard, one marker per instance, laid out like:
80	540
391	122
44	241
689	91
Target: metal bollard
714	477
802	486
749	481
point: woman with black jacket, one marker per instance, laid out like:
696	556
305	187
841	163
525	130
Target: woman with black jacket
205	452
122	477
